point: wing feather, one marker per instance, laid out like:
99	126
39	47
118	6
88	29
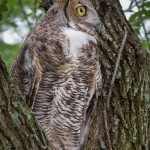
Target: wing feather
26	73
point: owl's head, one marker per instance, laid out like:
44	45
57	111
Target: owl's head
81	15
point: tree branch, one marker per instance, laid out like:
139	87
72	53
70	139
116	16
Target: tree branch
116	67
25	15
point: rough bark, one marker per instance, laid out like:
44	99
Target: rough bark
127	116
128	113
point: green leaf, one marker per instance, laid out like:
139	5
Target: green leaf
3	2
8	53
134	17
11	23
145	44
0	16
3	8
146	4
145	14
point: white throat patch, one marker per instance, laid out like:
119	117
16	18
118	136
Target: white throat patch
77	40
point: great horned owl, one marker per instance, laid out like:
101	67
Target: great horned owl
58	72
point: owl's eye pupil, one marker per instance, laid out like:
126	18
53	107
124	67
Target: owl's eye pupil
81	10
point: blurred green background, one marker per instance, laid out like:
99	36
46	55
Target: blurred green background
18	17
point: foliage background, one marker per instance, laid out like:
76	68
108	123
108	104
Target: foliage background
18	17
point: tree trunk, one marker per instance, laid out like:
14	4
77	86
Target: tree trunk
128	114
124	126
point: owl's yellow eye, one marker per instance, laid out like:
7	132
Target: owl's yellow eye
81	10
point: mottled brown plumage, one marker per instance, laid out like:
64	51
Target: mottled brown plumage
58	72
